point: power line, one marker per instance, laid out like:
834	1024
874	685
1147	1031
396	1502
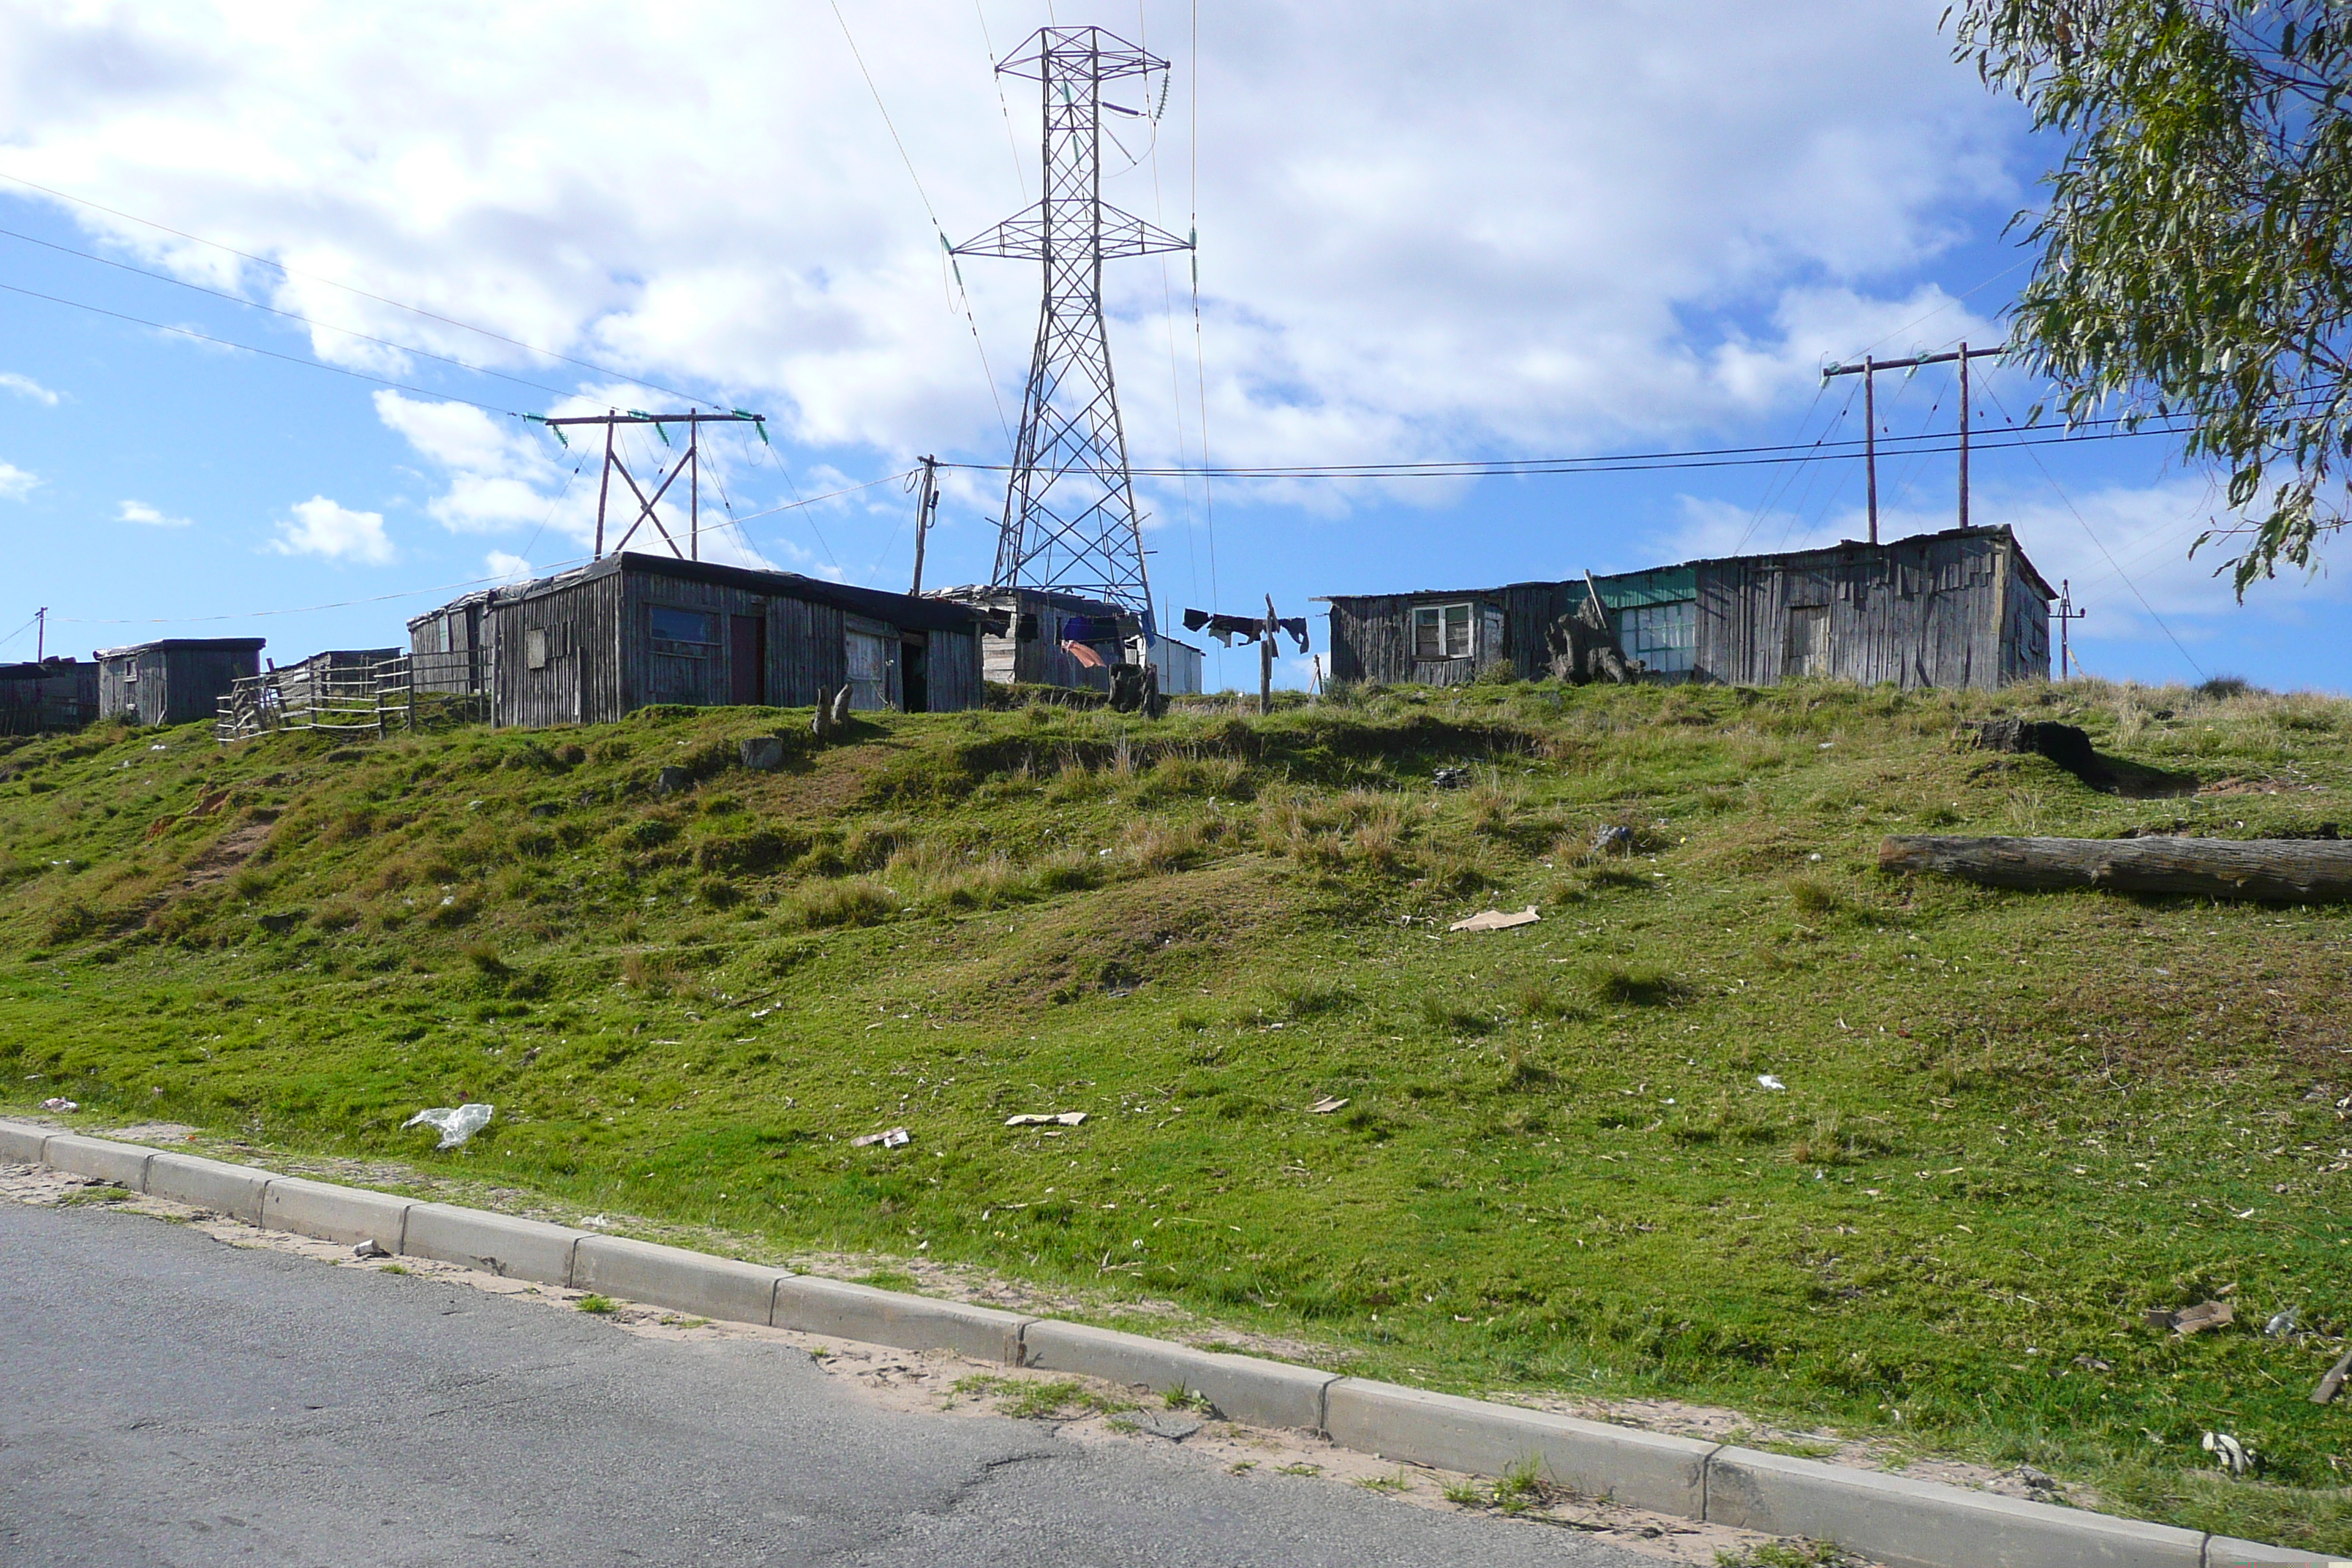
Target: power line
2082	522
348	288
289	315
1637	462
270	353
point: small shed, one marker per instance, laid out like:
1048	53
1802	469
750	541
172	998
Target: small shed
174	681
42	695
449	649
590	644
1960	608
1030	632
1179	664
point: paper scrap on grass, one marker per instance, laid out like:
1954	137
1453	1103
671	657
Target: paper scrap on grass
1769	1081
1031	1119
1325	1105
454	1125
896	1137
1496	920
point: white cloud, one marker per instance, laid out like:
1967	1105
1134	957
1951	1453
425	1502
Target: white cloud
507	568
26	387
138	511
322	528
16	483
1424	231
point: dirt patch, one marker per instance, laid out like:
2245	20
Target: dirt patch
223	856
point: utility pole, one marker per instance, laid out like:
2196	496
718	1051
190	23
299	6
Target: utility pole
926	503
2067	615
1070	518
689	466
1868	370
40	632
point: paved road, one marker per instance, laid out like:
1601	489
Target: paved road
169	1400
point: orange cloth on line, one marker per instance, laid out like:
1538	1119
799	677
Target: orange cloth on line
1084	655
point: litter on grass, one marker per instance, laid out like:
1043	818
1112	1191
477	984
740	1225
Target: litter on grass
1033	1119
1496	920
896	1137
454	1125
59	1102
1769	1081
2282	1324
2332	1383
1451	778
2190	1320
1325	1105
2232	1455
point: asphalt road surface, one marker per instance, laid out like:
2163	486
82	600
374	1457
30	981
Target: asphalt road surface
170	1400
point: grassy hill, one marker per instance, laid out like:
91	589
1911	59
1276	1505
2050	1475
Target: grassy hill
2011	1122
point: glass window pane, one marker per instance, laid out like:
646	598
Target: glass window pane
689	632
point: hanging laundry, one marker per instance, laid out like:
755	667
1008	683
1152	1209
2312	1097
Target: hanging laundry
1085	655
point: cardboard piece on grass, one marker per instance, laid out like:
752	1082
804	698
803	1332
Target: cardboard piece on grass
1496	920
2190	1320
1064	1118
896	1137
1326	1105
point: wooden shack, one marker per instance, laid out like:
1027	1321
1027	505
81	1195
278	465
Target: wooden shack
1960	608
176	680
590	644
42	695
1028	635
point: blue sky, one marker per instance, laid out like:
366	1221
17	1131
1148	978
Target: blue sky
1427	233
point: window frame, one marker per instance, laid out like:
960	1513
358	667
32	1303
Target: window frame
706	647
1675	653
1445	616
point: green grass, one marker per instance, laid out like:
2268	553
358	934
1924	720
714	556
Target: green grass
2011	1122
596	1305
1034	1400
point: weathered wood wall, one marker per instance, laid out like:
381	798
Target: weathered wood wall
592	636
1372	637
159	683
1918	613
1950	609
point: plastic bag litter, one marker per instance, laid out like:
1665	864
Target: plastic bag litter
1769	1081
59	1102
454	1125
2232	1455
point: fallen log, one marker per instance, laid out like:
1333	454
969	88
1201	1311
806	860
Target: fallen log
2269	870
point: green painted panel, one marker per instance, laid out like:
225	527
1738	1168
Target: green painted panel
1665	585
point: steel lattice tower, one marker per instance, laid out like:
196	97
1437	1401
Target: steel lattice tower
1070	519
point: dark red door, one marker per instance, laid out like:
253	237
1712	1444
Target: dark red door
747	660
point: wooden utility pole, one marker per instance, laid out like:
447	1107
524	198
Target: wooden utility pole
604	484
926	504
688	466
1868	370
1265	659
2067	615
40	632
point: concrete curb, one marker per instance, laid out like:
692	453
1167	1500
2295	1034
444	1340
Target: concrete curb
1896	1520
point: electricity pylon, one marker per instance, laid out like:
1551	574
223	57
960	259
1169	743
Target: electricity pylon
1070	521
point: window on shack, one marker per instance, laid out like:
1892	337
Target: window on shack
684	634
1665	637
1441	631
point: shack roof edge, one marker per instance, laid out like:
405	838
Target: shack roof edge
175	645
878	604
1843	547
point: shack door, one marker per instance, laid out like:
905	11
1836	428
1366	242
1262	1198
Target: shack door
869	671
747	660
1807	651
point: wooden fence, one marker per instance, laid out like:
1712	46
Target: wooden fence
354	696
